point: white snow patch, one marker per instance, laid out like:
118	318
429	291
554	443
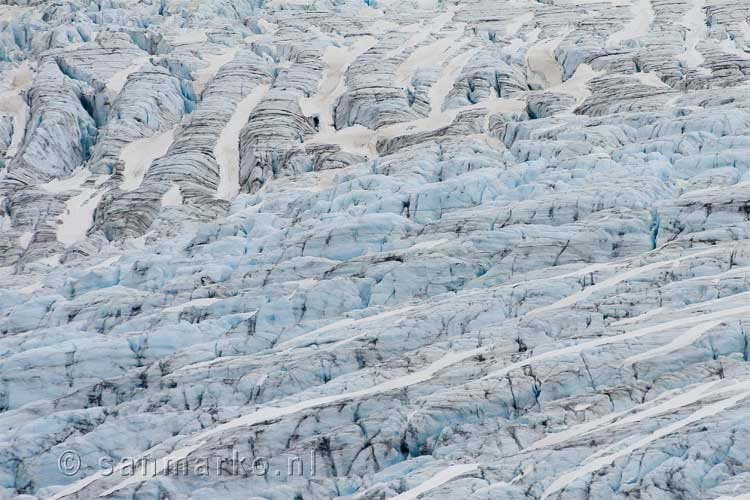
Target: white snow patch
74	181
382	26
650	79
270	3
432	55
616	279
75	221
640	317
666	402
52	261
267	27
345	323
227	149
329	36
643	16
576	86
544	70
695	23
203	75
512	28
117	81
437	480
77	217
273	412
138	243
363	141
105	263
355	139
493	105
32	288
191	303
426	4
497	104
311	182
745	30
723	314
421	31
188	36
427	245
730	47
681	341
25	239
414	4
575	3
172	198
138	156
602	461
13	12
12	103
7	272
448	76
5	221
336	61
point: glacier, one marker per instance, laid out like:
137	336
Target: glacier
480	249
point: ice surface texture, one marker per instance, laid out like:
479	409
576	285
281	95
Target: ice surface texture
476	250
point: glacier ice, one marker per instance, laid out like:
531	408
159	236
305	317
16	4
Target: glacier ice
439	248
